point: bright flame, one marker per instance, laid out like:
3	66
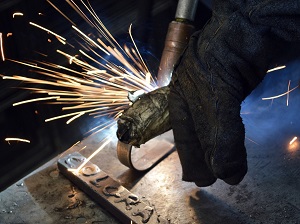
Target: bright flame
17	139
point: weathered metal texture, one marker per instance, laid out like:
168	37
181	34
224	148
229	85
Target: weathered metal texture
124	205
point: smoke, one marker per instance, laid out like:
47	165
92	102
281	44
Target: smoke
270	121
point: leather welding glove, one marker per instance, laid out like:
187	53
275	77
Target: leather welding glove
222	64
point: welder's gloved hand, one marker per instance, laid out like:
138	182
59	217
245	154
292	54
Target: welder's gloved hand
222	64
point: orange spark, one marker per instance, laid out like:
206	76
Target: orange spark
9	34
17	14
57	9
1	47
97	91
34	100
294	145
89	39
17	139
49	31
75	117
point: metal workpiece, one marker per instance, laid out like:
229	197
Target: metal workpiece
186	9
176	40
110	194
145	157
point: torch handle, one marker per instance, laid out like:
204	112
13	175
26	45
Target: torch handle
178	35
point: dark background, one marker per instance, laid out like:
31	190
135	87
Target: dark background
150	20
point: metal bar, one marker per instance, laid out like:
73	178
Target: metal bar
111	195
178	35
147	156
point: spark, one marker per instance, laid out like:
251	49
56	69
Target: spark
34	100
76	171
17	139
140	57
276	68
49	31
293	140
274	97
288	95
57	9
9	34
82	148
293	145
70	114
98	86
75	117
89	39
76	143
1	47
17	14
252	140
45	55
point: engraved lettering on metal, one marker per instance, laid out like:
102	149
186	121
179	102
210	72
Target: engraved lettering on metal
73	160
146	213
113	191
129	200
116	199
90	170
100	177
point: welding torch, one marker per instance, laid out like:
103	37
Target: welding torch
148	117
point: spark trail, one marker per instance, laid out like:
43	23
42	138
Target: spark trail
104	73
99	87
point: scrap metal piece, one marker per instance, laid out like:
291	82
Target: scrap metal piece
107	192
145	157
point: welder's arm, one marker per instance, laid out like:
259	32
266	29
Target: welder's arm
222	64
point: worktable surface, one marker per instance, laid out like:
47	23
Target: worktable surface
268	194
